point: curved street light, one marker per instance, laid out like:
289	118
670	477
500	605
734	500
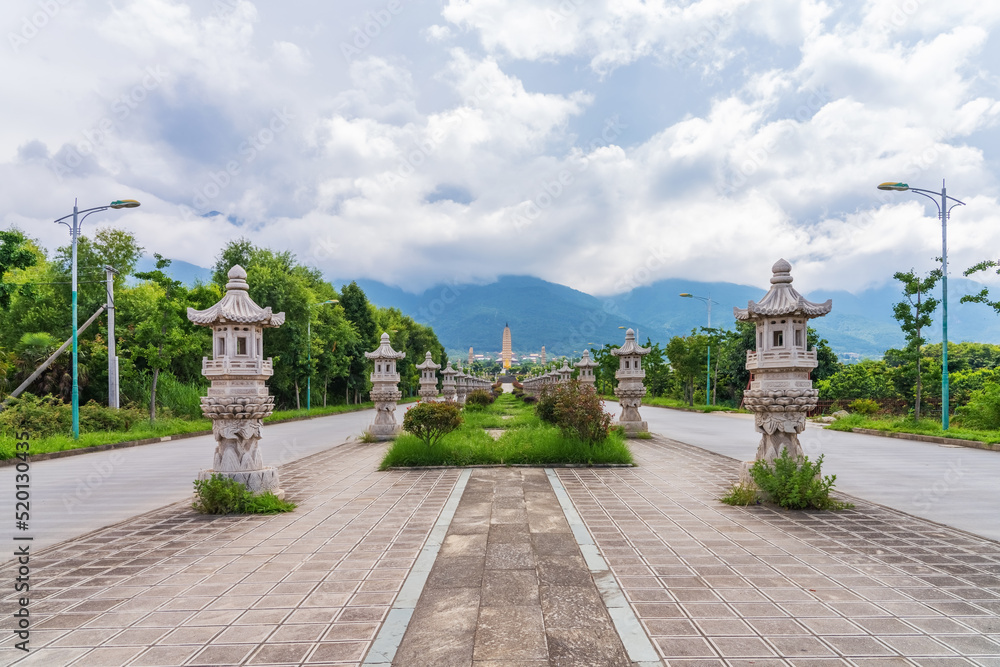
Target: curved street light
74	230
944	212
708	363
310	349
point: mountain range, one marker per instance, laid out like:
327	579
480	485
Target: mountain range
566	320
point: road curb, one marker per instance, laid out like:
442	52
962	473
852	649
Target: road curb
974	444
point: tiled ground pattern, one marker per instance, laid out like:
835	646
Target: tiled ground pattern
717	585
173	587
509	587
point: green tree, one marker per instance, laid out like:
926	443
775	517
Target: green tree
866	379
15	253
361	316
687	356
984	295
165	334
913	316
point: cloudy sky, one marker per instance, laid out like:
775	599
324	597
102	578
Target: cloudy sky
594	143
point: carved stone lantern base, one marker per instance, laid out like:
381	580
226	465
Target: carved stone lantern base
630	398
384	426
237	455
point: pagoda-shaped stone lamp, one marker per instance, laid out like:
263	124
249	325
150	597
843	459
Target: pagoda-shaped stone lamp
428	379
385	389
238	401
780	393
586	366
461	385
630	389
448	383
565	373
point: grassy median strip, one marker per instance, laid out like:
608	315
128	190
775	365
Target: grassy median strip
527	440
908	425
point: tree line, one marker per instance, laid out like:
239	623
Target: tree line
160	351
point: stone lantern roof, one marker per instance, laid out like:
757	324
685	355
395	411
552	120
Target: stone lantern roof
586	361
630	347
385	350
448	370
782	299
236	306
428	364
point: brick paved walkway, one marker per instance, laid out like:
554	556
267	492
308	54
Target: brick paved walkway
173	587
719	585
510	587
711	584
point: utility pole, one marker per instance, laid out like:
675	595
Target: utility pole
112	356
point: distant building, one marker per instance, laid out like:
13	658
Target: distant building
543	355
506	354
471	356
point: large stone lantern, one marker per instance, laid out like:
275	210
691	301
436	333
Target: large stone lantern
448	383
238	400
630	389
385	389
781	393
461	385
565	373
428	379
586	366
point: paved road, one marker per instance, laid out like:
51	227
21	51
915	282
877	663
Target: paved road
78	494
956	486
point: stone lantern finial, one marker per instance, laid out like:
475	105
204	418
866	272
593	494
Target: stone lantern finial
780	393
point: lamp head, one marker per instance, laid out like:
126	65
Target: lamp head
124	203
900	187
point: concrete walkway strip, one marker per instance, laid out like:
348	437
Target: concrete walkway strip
638	646
391	634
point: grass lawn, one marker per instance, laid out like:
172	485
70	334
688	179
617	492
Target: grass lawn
158	429
527	440
908	425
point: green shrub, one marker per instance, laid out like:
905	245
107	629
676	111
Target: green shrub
222	495
864	406
794	484
546	405
95	418
432	421
742	494
479	399
983	409
39	416
528	399
580	411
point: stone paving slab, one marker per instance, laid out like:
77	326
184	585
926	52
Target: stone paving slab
509	586
173	587
716	585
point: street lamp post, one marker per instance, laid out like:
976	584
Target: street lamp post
708	364
944	212
309	348
74	230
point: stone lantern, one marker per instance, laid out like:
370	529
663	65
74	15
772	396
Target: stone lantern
630	389
781	393
238	401
461	385
428	379
448	384
565	373
385	389
586	366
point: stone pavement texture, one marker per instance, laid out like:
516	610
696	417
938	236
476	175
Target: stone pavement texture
173	587
712	585
717	585
509	587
